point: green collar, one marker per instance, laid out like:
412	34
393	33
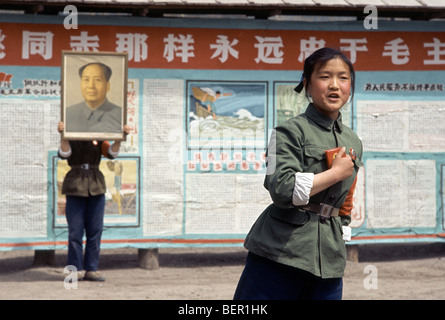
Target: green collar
322	120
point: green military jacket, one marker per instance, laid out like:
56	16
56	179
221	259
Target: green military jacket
288	234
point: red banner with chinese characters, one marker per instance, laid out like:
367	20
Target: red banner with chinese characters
233	49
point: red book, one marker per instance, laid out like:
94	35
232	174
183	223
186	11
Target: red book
347	206
331	154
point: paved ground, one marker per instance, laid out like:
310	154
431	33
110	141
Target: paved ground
403	271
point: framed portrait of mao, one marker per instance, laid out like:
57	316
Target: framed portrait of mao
94	95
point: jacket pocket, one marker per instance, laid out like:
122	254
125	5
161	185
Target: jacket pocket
314	158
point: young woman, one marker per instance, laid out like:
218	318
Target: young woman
84	187
296	246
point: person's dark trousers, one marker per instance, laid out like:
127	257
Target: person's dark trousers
264	279
84	214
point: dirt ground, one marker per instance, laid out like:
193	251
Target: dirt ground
403	271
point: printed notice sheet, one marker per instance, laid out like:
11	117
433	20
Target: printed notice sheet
401	193
28	128
401	126
224	203
163	118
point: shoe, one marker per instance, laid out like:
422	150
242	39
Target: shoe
73	276
93	276
80	275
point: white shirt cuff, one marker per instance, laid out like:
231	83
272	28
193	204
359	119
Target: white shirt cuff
113	154
347	232
64	154
302	189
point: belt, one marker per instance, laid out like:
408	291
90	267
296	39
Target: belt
85	166
323	210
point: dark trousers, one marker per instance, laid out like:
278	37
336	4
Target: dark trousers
84	214
264	279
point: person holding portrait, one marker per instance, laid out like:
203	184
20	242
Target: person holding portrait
84	184
84	187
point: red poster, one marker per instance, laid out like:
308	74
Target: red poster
232	49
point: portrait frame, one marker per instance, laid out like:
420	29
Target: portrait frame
82	122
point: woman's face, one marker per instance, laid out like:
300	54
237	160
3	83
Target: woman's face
330	87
